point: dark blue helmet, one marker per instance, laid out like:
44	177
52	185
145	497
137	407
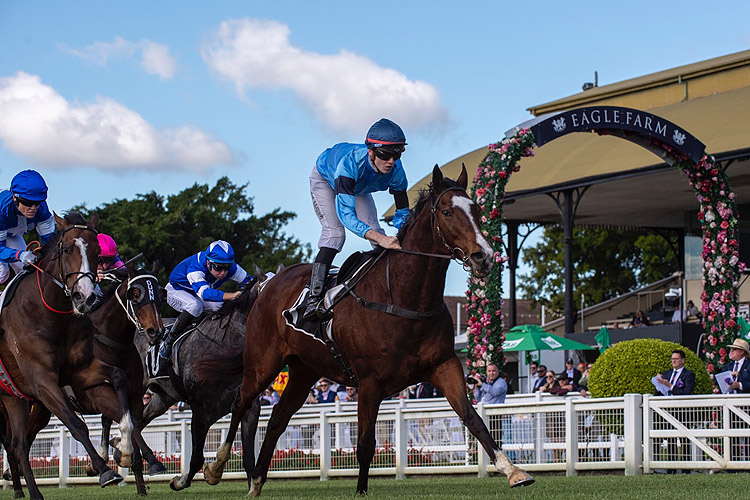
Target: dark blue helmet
386	133
220	252
29	185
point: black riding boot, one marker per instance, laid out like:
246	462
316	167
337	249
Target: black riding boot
182	321
317	289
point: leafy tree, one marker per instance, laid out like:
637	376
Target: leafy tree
169	230
607	263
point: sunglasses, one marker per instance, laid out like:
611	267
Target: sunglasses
386	155
550	376
220	267
107	260
323	385
28	203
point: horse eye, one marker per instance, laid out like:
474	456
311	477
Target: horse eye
446	213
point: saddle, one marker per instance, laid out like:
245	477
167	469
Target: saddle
10	288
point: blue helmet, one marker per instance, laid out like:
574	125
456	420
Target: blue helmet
30	185
220	252
385	133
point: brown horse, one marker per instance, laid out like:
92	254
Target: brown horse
387	352
47	343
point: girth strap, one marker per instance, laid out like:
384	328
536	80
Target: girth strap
397	311
112	343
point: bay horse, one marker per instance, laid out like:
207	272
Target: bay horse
387	352
132	302
46	343
210	396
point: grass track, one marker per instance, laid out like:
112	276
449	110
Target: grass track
651	487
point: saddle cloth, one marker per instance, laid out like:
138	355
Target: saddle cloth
10	288
322	331
153	360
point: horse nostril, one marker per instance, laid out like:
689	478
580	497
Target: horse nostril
478	257
76	297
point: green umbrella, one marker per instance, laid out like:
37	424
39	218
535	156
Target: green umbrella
535	338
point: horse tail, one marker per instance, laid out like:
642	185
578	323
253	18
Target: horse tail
214	369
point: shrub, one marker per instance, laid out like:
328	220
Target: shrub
627	367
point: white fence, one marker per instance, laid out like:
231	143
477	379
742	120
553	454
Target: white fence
636	434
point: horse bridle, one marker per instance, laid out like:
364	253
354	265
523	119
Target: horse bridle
463	259
148	296
62	282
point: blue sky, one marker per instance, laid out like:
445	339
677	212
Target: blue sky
111	99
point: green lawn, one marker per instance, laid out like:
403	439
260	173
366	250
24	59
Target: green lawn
652	487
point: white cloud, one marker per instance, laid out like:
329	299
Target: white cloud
348	92
38	124
155	57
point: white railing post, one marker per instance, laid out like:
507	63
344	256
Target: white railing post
633	434
483	460
325	446
64	462
6	484
401	444
571	440
186	446
647	425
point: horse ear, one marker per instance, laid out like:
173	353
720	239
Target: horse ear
437	177
280	267
258	270
155	267
94	221
463	179
61	223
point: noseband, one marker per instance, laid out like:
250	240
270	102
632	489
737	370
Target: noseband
62	282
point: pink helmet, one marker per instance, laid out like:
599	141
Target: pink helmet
107	244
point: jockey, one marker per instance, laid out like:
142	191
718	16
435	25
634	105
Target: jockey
22	208
193	287
109	259
341	184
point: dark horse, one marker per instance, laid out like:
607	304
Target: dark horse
46	344
210	396
387	352
133	302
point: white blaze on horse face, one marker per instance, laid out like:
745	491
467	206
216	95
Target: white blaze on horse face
465	204
84	286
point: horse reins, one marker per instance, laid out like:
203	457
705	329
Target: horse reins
63	275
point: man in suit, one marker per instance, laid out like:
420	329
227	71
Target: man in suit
540	381
325	394
573	373
679	379
740	367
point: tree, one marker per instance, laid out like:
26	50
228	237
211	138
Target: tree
607	263
169	230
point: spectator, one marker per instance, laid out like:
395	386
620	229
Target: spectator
584	382
550	382
564	385
325	394
426	390
691	310
311	397
639	320
147	397
533	375
572	372
269	397
351	394
740	367
541	372
494	389
678	379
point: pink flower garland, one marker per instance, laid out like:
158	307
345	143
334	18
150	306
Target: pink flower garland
484	308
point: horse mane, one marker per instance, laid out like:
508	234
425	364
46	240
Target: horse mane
241	303
423	200
74	218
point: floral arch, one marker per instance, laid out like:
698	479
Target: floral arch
717	215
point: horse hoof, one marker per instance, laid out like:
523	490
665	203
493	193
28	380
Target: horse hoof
520	478
175	484
6	475
126	461
18	494
156	468
361	493
109	478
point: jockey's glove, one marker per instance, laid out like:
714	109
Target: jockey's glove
27	257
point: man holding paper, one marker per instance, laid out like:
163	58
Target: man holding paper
678	379
739	366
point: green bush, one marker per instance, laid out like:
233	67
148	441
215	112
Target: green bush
627	367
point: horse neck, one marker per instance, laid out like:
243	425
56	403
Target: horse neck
418	272
112	320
